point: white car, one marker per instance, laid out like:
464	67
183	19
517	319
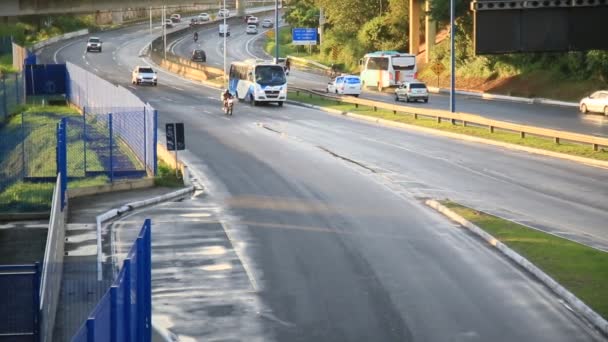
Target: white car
204	17
251	29
224	30
144	75
596	102
345	85
253	21
267	23
168	23
412	91
224	12
94	44
176	18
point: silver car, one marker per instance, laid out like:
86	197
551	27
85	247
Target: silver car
412	91
596	102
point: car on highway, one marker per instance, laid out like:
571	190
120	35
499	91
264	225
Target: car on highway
412	91
596	102
223	13
251	29
267	23
144	75
176	18
168	23
253	21
94	44
224	30
345	85
204	17
199	55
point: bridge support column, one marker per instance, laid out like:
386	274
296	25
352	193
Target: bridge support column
414	27
430	31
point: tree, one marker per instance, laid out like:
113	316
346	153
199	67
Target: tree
302	13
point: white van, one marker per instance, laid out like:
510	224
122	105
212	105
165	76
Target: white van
383	69
224	30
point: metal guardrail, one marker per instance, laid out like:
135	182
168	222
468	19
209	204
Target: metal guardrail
468	119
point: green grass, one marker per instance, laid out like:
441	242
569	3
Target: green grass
581	269
167	177
6	63
502	136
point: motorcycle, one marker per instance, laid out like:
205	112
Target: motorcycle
229	106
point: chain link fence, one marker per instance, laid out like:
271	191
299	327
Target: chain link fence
11	94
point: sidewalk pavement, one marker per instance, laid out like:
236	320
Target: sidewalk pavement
80	289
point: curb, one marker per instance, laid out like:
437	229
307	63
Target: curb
489	96
577	305
8	217
581	160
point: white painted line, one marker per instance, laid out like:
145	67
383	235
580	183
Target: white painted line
177	88
167	99
61	48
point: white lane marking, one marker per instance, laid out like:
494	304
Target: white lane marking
206	111
132	87
96	71
167	99
177	88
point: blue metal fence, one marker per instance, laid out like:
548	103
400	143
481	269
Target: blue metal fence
135	121
124	313
11	94
19	295
45	79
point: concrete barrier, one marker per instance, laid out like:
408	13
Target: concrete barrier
577	305
60	38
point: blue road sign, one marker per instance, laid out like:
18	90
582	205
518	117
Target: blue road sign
304	36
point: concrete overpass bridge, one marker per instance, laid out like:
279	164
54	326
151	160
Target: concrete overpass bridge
10	8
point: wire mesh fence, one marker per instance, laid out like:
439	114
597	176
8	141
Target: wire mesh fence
11	94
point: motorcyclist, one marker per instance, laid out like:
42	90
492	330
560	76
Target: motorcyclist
226	95
287	65
195	36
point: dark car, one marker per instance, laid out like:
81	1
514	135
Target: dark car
199	56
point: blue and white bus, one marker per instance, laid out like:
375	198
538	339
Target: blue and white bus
258	81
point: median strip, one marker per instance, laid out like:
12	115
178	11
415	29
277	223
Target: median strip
575	272
501	136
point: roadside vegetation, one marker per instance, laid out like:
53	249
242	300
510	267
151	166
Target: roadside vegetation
481	132
168	177
580	269
355	27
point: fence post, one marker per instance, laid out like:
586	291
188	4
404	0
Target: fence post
148	279
4	104
145	143
23	164
17	89
111	146
62	152
90	329
37	302
114	313
127	295
84	137
140	290
155	142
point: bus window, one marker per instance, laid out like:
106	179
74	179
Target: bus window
404	63
272	75
377	63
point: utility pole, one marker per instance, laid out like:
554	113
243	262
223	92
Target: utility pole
276	30
225	33
164	18
452	59
150	19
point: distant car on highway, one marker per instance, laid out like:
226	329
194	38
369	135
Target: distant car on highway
204	17
253	21
199	56
267	23
251	29
223	13
412	91
94	44
345	85
224	30
144	75
168	23
176	18
596	102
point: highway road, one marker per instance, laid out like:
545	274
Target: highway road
322	219
548	116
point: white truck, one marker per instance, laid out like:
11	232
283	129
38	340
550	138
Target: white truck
224	30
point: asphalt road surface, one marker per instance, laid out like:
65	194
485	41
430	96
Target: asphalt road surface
324	227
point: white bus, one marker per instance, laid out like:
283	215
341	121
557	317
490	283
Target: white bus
258	81
383	69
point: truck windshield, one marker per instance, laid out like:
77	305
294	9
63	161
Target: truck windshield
272	75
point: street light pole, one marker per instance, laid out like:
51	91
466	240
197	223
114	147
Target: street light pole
452	59
164	19
225	33
276	30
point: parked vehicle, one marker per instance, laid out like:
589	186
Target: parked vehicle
383	69
176	18
199	56
412	91
204	17
144	75
258	81
224	29
253	21
267	23
596	102
94	44
251	29
345	85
